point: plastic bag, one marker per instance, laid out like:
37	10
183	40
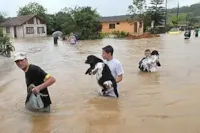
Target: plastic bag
34	101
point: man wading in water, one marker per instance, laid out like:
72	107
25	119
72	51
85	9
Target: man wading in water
35	75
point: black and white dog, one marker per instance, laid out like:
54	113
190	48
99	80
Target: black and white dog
155	53
103	74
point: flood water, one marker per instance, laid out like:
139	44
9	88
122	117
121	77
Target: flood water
163	102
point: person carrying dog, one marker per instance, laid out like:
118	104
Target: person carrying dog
114	65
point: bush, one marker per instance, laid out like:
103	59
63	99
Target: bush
120	34
104	35
6	46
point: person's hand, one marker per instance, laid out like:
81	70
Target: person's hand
36	90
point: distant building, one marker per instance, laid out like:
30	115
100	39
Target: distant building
122	23
25	26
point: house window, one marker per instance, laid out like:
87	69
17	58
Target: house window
111	26
7	29
40	30
118	23
29	30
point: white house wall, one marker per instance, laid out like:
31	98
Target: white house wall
35	30
11	34
19	30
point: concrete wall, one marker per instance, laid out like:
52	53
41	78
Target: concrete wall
35	34
20	32
11	34
122	26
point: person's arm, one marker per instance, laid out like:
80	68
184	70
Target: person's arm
120	73
48	80
119	78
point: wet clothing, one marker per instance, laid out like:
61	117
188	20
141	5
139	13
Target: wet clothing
187	34
55	39
196	32
35	75
72	40
149	64
116	70
76	36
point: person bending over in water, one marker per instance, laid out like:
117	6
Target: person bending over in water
72	39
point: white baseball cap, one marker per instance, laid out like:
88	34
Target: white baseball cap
19	56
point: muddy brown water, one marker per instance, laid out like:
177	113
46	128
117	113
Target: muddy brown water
167	101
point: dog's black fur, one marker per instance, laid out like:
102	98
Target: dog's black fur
155	52
106	73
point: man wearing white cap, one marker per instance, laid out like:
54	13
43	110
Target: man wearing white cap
35	75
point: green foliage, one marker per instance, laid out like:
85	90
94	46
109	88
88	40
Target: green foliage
2	17
140	11
195	9
120	34
104	35
157	12
32	8
138	7
5	45
191	19
174	20
81	20
192	12
87	24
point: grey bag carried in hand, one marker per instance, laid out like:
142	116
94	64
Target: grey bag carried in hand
34	101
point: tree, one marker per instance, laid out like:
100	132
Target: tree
157	12
32	8
40	11
2	17
138	8
174	20
86	21
138	11
191	19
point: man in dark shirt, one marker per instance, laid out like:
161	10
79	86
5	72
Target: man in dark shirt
35	75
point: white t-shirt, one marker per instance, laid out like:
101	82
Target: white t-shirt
116	70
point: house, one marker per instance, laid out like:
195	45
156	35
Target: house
25	26
122	23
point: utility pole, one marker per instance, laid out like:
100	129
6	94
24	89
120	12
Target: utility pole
166	15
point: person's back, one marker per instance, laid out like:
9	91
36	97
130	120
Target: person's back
72	39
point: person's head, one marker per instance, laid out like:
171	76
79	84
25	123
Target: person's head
21	60
147	52
107	52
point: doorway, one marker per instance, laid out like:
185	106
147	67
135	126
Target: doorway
135	27
15	32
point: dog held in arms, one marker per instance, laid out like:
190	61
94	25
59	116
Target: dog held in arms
103	74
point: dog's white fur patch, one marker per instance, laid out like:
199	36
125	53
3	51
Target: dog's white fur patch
108	84
98	70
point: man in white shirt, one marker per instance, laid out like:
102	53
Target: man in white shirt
115	67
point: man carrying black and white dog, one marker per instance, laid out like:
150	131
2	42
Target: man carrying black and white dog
115	67
108	73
